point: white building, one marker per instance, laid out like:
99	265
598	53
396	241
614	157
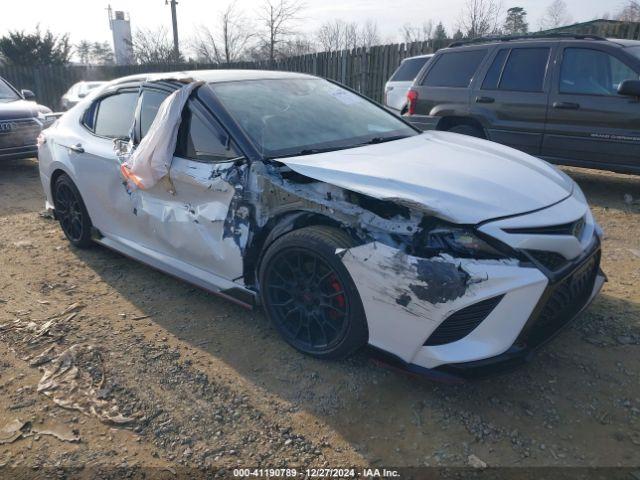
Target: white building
121	30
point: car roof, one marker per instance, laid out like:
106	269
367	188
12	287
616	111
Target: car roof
211	76
624	42
426	55
552	37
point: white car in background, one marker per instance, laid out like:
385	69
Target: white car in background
452	255
77	92
396	89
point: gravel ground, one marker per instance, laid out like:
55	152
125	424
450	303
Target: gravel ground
152	372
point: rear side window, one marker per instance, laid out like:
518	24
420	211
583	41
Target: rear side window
151	100
592	72
492	78
525	70
454	69
203	140
408	70
114	115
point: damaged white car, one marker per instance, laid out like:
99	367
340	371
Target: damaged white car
452	256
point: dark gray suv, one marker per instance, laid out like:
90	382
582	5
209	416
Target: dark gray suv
570	100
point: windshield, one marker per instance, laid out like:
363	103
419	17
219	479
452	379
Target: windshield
6	92
287	117
635	51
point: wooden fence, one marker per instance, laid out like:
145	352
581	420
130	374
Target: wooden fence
364	69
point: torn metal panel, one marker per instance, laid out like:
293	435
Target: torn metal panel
277	194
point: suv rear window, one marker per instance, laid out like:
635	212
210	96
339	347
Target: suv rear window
409	69
455	69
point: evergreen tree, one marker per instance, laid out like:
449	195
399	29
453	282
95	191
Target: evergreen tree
516	22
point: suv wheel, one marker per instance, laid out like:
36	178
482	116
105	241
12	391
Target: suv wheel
309	295
467	130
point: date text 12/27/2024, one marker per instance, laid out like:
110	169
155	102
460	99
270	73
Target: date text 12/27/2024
315	473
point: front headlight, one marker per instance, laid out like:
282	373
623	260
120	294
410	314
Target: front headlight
459	242
578	193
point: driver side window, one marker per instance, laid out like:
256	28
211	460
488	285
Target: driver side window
586	71
202	139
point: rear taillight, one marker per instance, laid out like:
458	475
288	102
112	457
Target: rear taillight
412	100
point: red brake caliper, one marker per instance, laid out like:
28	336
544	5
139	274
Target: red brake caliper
335	284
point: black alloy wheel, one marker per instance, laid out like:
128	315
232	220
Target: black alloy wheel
309	295
71	212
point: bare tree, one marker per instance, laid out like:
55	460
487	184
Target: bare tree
630	12
153	47
206	46
296	46
369	34
480	18
335	35
277	18
556	15
232	41
411	33
341	35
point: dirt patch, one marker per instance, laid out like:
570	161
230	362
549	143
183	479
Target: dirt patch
205	383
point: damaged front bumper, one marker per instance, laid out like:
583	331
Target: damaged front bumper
526	309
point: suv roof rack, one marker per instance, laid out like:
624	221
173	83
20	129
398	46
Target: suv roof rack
534	36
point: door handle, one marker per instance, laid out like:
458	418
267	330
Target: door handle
566	105
485	99
77	148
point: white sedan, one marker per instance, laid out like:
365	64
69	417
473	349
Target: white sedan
451	256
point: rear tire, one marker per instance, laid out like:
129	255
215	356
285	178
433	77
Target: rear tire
71	212
467	130
309	295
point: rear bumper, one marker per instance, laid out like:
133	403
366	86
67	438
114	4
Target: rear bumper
423	122
542	326
15	153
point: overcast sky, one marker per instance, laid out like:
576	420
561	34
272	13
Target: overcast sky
87	19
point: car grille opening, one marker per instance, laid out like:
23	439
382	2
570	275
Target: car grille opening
550	260
463	322
574	229
563	302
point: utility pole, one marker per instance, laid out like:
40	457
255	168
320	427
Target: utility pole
174	19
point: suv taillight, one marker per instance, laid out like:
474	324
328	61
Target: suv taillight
412	100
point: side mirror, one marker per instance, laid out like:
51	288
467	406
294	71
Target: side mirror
630	88
28	95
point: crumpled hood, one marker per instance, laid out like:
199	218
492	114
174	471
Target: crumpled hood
456	177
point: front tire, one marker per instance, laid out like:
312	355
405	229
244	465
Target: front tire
71	212
309	295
